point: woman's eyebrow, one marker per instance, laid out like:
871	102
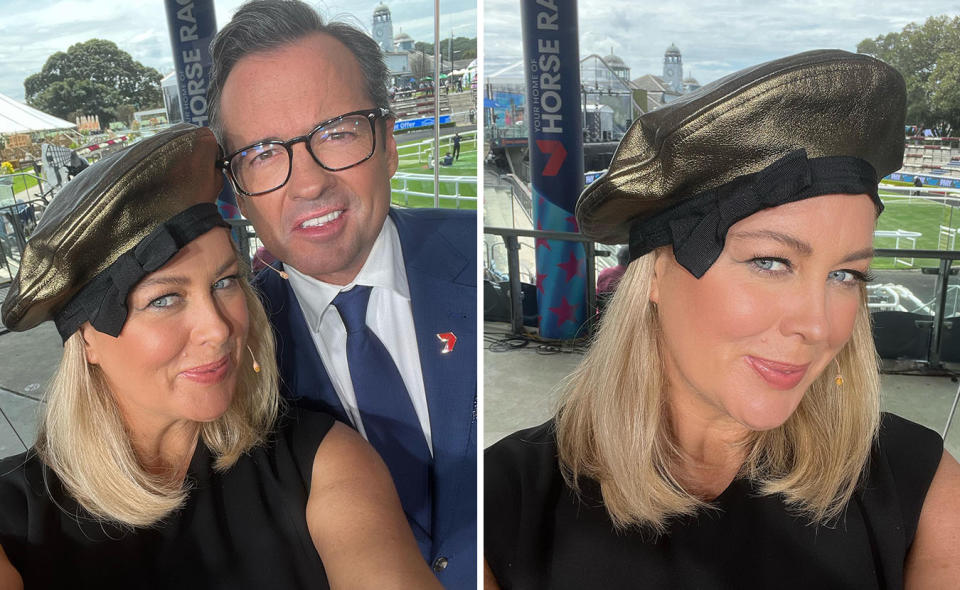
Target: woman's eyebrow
863	254
799	245
787	240
180	280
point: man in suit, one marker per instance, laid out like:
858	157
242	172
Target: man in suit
374	307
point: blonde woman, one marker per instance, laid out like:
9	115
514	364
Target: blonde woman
724	430
164	457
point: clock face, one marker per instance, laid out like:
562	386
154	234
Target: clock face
669	71
379	33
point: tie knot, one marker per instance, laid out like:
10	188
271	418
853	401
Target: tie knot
352	306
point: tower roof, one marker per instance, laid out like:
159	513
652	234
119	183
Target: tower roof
381	8
672	50
614	61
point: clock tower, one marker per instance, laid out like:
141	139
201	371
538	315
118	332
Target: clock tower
383	28
673	68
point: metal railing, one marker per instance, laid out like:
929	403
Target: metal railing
511	237
402	194
936	308
423	150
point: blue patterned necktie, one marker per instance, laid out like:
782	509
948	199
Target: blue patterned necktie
389	420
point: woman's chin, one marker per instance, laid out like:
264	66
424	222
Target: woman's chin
760	417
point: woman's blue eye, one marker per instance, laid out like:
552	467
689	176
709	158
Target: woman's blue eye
161	302
225	282
770	264
849	276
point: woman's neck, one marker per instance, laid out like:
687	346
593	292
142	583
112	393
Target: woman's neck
711	444
166	450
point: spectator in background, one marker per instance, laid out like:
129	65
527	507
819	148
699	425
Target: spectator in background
456	146
610	277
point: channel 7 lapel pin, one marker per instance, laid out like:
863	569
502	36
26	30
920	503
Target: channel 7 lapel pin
449	341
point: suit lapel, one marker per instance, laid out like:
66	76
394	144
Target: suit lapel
443	297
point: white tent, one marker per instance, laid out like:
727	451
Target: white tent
16	117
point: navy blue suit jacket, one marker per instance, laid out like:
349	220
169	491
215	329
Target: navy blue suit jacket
439	253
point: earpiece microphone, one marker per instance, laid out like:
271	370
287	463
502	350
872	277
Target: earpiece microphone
256	365
282	274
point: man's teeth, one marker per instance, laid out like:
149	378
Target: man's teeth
317	221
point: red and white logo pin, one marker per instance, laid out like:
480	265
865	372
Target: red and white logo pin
449	341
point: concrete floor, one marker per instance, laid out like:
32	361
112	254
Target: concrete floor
520	389
27	361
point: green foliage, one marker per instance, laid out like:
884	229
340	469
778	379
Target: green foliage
463	48
926	56
93	78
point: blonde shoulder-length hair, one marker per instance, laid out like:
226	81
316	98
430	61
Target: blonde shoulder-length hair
83	440
614	426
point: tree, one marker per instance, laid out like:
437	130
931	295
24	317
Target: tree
420	65
463	48
93	78
926	56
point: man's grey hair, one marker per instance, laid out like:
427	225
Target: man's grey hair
263	25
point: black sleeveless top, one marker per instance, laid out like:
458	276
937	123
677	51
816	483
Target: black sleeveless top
243	528
539	534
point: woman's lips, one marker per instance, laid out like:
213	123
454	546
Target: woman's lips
778	375
210	373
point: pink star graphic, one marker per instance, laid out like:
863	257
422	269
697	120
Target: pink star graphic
572	220
540	200
540	278
541	241
571	266
564	312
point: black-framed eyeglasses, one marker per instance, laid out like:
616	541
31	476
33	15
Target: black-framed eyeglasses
336	144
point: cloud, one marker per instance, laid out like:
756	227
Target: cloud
139	27
716	37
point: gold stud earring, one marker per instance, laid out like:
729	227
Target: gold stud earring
839	378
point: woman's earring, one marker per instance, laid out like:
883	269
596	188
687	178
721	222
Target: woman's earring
256	365
839	378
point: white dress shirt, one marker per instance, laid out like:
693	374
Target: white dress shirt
389	316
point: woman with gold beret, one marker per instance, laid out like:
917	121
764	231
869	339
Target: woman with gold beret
164	457
724	430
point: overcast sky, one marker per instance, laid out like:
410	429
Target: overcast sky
716	37
33	30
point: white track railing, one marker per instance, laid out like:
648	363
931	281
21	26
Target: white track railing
422	151
403	193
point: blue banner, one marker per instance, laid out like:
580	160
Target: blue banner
552	65
418	123
927	180
193	24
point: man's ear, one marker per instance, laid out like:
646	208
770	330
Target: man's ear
390	146
87	334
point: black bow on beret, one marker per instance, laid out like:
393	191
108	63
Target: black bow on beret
698	226
103	301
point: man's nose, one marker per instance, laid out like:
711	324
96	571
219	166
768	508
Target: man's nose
307	180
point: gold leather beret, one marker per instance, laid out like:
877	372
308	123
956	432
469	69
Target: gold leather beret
107	211
819	104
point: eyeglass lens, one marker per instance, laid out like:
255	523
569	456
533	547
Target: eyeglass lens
341	144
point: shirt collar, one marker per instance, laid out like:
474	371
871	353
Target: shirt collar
383	269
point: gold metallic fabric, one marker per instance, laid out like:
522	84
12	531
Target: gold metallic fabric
827	102
106	211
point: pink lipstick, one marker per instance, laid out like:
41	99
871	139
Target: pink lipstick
778	375
210	373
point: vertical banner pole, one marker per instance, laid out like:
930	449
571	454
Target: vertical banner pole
551	52
192	25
